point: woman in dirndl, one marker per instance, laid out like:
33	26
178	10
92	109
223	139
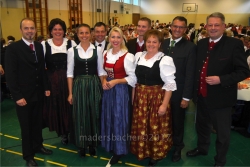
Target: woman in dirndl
151	123
57	111
85	91
115	118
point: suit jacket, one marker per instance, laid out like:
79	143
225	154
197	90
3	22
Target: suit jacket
25	77
183	54
131	45
227	60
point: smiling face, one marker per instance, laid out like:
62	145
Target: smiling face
152	44
28	30
142	27
215	27
115	39
57	32
83	34
178	28
100	34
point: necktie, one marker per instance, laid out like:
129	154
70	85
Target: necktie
100	45
171	45
31	46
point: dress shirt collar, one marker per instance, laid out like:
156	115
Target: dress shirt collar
27	42
91	46
176	40
140	43
210	40
97	43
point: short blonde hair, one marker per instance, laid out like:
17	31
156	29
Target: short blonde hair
117	29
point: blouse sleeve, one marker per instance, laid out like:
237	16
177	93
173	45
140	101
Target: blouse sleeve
70	63
167	71
73	43
129	66
100	69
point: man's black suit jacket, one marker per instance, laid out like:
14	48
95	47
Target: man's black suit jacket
25	77
183	54
227	60
131	45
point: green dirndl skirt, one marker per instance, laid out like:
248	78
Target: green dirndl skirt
87	94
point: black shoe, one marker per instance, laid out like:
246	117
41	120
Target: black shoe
152	162
64	140
176	156
115	159
44	151
31	163
92	151
82	153
195	152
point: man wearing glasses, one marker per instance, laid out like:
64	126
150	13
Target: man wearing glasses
183	53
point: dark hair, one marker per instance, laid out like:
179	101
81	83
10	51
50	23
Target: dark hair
11	38
54	22
147	20
181	18
155	33
26	19
83	25
99	24
218	15
244	30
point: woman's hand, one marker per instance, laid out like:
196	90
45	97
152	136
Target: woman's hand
162	110
70	99
105	84
111	83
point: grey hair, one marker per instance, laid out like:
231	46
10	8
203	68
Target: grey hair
218	15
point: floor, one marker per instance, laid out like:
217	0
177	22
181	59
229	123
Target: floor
11	153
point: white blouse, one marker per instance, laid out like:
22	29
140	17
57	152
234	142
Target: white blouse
57	49
167	68
129	64
84	55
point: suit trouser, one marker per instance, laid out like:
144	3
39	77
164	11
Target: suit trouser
30	120
220	120
178	118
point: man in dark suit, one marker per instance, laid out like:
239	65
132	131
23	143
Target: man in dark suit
100	32
25	75
137	44
220	65
183	53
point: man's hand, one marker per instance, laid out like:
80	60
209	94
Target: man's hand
213	80
21	102
1	70
47	93
184	103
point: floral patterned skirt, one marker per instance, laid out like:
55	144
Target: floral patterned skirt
151	134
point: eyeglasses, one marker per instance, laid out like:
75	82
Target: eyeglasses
180	27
